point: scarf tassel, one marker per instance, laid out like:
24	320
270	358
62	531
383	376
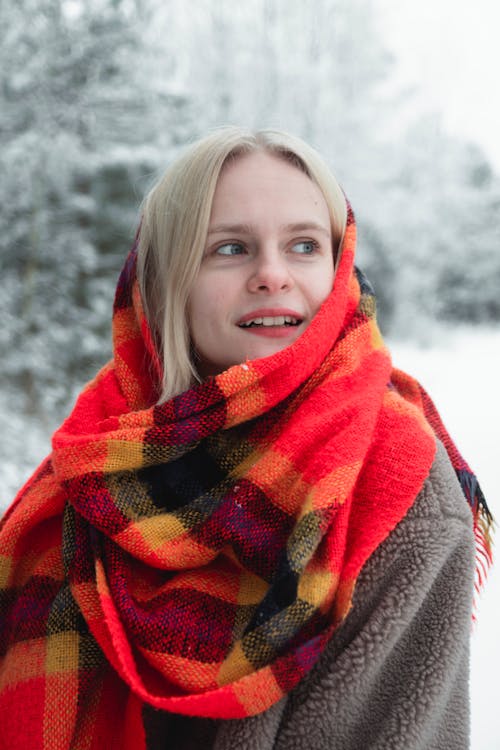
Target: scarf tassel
483	525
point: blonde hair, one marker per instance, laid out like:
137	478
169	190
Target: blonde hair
174	228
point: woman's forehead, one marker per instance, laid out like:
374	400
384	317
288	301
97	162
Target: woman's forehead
258	184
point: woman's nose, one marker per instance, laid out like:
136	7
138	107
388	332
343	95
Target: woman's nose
270	273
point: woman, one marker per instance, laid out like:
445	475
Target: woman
250	531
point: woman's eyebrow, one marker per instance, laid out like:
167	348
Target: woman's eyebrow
230	229
301	226
304	226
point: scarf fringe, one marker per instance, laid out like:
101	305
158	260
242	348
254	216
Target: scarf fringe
484	527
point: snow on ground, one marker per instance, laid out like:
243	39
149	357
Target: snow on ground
461	371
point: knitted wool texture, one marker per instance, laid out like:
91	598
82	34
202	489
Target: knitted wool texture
197	555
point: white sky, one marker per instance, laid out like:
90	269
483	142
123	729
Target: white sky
450	50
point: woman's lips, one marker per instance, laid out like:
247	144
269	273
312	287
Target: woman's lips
271	322
270	312
272	332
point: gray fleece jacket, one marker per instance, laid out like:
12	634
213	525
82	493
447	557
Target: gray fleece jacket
395	675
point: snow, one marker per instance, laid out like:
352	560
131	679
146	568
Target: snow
461	371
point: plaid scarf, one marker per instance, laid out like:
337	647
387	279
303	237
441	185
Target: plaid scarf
196	556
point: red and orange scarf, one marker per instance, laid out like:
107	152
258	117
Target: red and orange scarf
196	556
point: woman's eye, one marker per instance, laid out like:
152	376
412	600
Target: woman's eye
306	247
231	248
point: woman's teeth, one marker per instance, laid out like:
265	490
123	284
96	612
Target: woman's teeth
278	320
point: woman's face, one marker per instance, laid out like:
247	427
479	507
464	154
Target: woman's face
267	265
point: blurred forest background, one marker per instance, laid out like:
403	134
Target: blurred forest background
97	96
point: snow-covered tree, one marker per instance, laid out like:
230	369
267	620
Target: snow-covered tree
78	146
